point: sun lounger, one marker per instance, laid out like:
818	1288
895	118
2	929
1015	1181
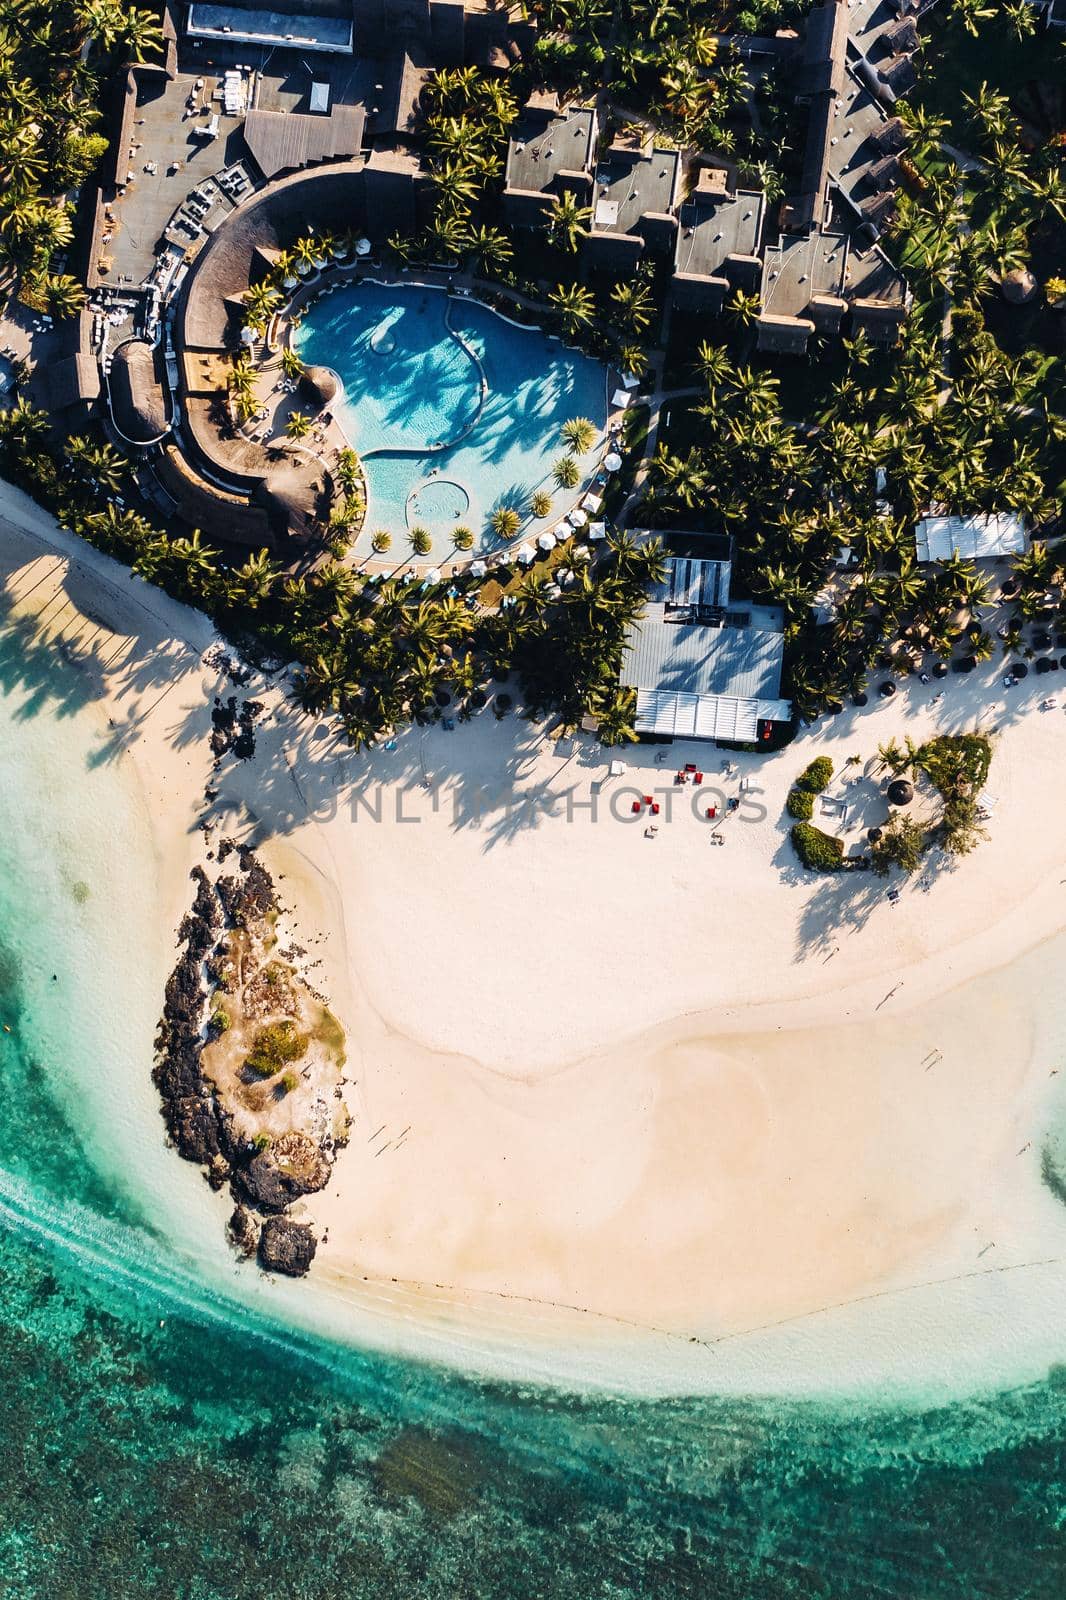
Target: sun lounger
635	807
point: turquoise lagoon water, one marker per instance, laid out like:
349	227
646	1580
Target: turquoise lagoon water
162	1441
454	411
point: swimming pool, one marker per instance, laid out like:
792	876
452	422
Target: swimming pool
454	411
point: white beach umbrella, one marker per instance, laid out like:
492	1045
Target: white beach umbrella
363	247
582	552
613	461
432	576
525	554
578	518
547	541
597	530
248	336
563	530
553	591
478	569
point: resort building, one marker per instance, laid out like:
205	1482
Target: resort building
704	665
634	202
981	537
550	153
719	243
827	261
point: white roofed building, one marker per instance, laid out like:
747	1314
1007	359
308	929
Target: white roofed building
704	665
982	537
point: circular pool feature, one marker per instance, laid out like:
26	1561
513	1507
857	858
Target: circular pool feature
461	416
438	502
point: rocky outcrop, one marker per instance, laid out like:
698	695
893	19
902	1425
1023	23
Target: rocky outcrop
290	1167
248	1120
286	1246
242	1231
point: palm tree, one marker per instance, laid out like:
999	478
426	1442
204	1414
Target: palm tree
142	34
505	521
291	364
541	504
566	472
462	538
745	307
455	184
65	295
633	358
381	542
256	578
298	425
420	541
487	248
634	304
580	434
567	221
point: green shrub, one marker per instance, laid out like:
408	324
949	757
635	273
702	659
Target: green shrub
288	1082
815	777
275	1046
817	849
800	804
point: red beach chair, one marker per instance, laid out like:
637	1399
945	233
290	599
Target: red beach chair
636	807
655	808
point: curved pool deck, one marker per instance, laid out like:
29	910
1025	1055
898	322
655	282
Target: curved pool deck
454	410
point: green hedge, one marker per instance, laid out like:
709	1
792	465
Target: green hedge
815	778
800	804
817	849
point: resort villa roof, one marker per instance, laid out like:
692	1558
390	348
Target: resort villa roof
981	537
633	200
718	243
549	152
802	286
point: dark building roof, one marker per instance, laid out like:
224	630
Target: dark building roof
285	141
718	240
824	49
635	191
75	380
135	389
543	153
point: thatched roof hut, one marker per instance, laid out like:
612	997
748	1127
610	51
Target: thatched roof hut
319	386
138	399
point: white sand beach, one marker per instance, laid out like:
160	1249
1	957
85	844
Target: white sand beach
638	1109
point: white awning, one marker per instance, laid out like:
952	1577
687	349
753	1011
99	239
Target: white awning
705	716
977	538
